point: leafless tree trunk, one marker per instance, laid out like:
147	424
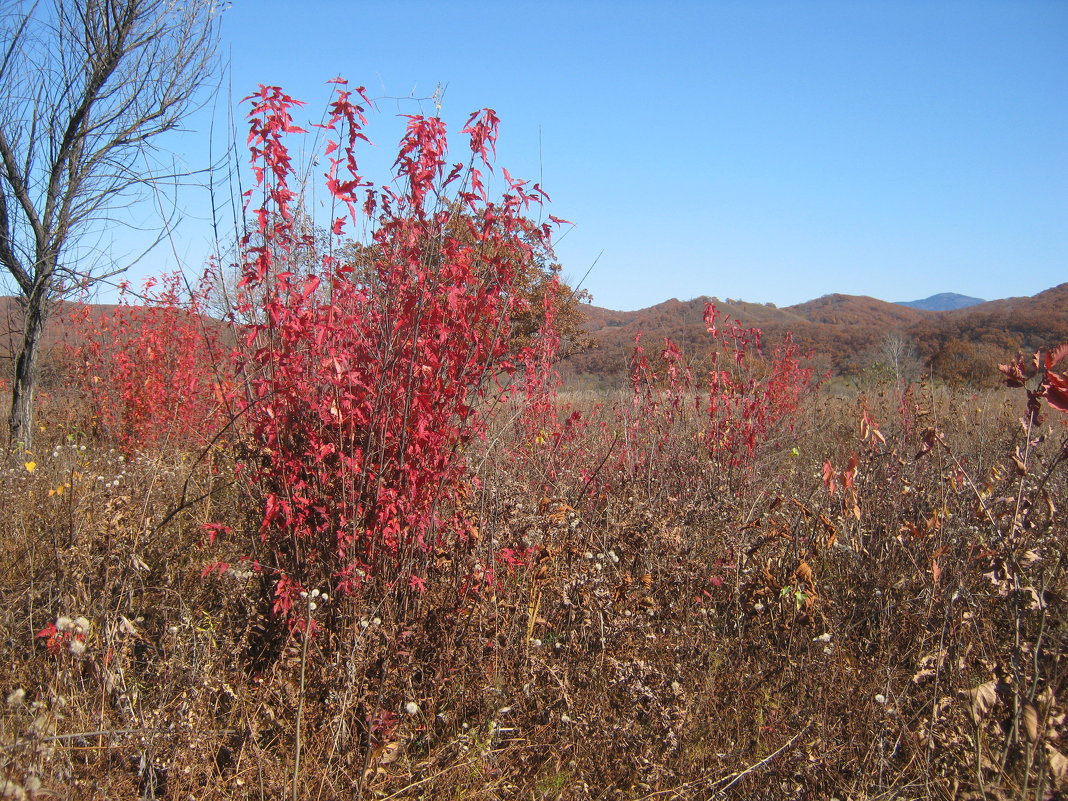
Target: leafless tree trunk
85	88
898	354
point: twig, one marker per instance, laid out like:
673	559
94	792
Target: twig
425	779
759	764
102	732
732	778
300	703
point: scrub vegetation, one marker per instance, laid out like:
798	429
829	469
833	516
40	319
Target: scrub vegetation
354	542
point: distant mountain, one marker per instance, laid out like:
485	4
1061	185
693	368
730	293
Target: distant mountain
943	301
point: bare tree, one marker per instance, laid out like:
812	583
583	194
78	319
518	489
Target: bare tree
86	87
898	354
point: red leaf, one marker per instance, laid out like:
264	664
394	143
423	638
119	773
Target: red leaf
1054	355
1057	391
1017	372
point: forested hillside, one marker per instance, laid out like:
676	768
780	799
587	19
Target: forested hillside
847	334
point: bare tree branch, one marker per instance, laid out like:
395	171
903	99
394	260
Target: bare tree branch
86	87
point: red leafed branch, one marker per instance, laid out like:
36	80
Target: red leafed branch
1036	374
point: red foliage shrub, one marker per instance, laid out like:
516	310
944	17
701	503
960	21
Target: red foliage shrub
365	378
750	396
153	367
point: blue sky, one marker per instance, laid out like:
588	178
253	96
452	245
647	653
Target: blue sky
768	151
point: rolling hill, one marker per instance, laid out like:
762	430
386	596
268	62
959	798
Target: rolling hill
846	333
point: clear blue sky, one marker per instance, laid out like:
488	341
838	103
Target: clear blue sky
768	151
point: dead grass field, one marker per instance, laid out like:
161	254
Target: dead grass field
675	631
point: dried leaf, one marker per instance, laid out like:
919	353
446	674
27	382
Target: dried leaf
1021	467
804	573
929	438
1058	766
1046	700
922	675
982	699
928	665
1034	601
388	752
1029	719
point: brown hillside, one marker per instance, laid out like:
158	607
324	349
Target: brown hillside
845	332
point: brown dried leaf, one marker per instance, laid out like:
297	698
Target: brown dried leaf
828	526
928	666
1058	766
1021	468
1046	700
387	753
1029	719
922	675
804	573
1034	599
982	699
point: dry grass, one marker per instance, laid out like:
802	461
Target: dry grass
670	636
